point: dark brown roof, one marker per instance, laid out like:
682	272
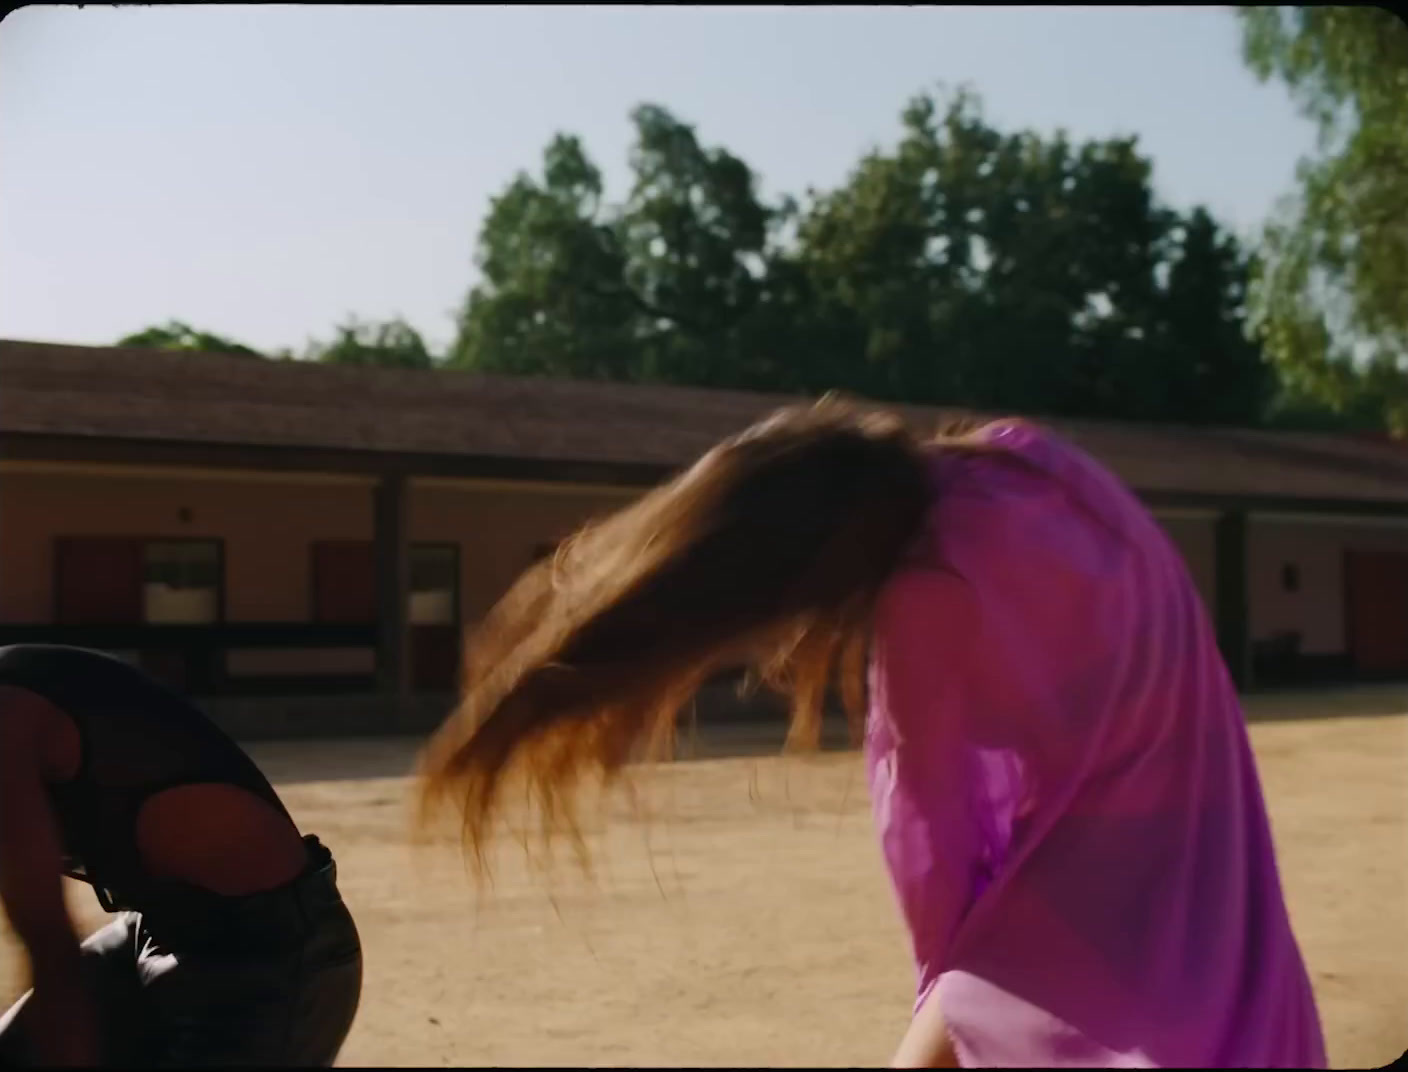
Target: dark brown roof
111	393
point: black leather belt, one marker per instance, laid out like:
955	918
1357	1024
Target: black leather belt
198	919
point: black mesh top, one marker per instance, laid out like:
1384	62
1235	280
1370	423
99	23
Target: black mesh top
138	738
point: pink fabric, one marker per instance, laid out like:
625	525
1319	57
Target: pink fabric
1064	789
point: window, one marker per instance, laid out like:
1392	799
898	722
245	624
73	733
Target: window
123	580
344	583
181	582
434	584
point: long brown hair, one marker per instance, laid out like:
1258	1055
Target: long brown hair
768	554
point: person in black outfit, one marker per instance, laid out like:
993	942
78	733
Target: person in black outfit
231	945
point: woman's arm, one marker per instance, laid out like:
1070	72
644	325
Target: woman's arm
923	781
31	887
927	1043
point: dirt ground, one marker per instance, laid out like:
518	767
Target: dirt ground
748	921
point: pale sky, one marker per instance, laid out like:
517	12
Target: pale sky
262	172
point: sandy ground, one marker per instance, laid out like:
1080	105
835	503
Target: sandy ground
747	921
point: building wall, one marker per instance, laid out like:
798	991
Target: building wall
1316	550
268	525
498	530
268	528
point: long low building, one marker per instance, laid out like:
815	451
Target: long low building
250	528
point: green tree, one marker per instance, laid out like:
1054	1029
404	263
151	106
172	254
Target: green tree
670	285
695	236
175	335
1329	296
966	266
1195	360
553	298
392	344
1013	271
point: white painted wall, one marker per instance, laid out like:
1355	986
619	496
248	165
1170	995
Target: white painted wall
1317	550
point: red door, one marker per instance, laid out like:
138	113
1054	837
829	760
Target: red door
1376	610
344	591
98	581
435	657
344	582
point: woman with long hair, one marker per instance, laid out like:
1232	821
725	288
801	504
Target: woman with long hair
1062	782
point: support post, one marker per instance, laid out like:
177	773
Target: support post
1233	604
392	593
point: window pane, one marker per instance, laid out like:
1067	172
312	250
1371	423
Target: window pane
182	583
433	568
434	577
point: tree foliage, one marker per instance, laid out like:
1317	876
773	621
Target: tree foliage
658	288
552	299
1330	299
393	344
175	335
964	266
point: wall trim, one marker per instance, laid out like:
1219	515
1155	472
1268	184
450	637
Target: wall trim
1185	513
1329	520
180	472
472	484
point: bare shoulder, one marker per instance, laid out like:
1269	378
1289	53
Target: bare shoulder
31	725
24	713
